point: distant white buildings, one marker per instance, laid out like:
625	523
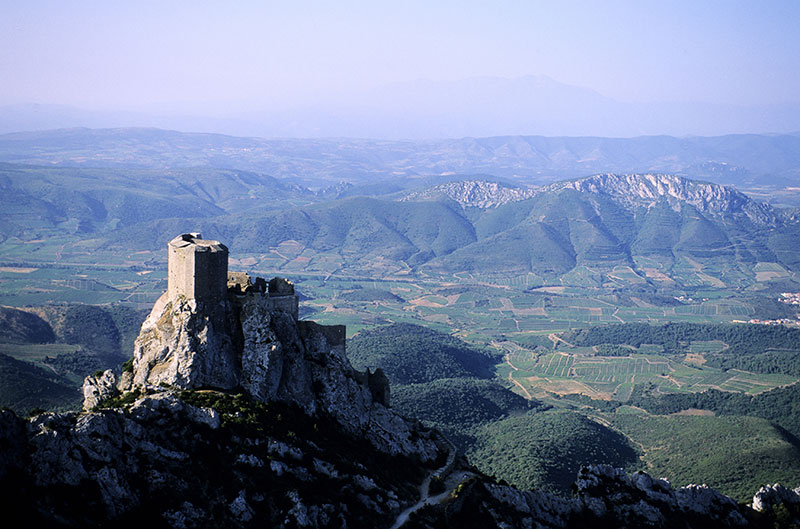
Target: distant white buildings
792	298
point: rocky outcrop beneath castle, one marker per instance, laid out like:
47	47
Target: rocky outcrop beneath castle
187	343
196	459
252	342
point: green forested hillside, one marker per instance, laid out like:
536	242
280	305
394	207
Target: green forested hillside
411	354
47	351
18	326
735	455
545	450
369	295
24	387
458	403
781	406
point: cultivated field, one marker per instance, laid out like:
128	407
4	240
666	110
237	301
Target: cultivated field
581	370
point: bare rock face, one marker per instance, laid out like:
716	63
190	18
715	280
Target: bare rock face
644	190
187	343
99	388
474	193
769	496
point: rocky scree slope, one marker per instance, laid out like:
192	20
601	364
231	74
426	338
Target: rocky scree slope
235	414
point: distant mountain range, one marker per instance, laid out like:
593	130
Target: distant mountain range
424	109
563	231
651	226
398	165
621	220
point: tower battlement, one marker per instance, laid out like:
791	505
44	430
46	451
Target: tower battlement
278	293
198	268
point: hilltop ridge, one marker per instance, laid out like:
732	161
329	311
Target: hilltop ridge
645	190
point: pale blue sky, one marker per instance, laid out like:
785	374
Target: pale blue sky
114	53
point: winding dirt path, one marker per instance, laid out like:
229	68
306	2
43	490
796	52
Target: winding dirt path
513	380
452	480
553	337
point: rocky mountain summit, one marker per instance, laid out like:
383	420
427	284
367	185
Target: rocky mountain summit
632	191
645	190
234	413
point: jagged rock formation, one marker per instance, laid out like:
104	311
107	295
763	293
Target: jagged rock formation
474	193
99	388
630	190
770	496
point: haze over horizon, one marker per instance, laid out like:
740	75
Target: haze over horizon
410	70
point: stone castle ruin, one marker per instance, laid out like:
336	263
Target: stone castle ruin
198	270
221	330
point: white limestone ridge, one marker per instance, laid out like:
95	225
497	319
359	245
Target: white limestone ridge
645	190
474	193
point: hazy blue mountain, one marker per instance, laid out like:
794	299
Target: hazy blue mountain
322	163
425	109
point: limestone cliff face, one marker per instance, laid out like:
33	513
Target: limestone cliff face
474	193
187	344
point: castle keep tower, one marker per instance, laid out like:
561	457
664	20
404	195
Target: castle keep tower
198	269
